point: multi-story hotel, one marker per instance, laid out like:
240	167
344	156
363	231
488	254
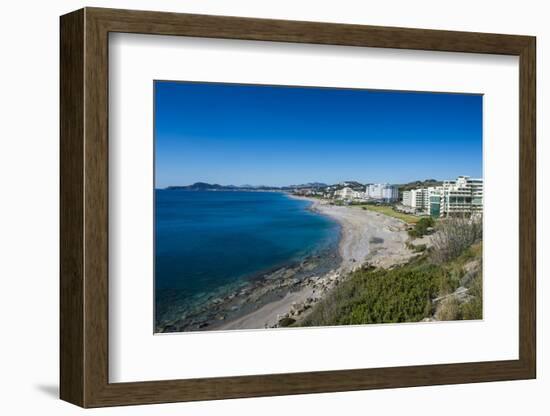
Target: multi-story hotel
463	196
378	192
382	191
416	198
348	194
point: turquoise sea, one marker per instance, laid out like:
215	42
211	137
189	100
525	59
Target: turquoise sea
207	242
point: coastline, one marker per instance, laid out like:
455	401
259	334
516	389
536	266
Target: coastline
366	235
209	309
367	238
233	303
289	292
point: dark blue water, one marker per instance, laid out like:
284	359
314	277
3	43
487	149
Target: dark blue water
205	241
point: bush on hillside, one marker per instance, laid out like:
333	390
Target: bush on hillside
402	294
421	227
474	308
449	310
453	237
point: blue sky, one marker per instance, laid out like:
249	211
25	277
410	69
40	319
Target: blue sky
274	135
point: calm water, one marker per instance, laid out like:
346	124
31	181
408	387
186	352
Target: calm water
207	241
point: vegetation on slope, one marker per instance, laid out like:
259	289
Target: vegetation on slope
423	288
422	227
371	296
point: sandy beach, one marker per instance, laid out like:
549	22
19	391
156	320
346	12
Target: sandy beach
367	237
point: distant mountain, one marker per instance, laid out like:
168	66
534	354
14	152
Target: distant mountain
203	186
426	183
198	186
313	185
356	186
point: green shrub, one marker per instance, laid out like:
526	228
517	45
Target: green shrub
449	310
402	294
474	308
419	248
453	237
421	227
449	280
286	322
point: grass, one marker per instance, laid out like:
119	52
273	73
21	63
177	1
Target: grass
389	211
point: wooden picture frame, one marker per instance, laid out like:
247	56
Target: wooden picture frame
84	207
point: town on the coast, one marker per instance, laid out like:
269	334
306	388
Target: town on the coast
461	196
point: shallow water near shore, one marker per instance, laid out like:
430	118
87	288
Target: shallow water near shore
211	246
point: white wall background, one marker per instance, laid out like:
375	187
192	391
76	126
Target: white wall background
29	206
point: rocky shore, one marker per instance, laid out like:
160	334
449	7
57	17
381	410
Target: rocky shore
284	296
232	304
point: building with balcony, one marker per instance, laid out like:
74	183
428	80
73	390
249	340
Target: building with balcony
459	197
416	199
463	196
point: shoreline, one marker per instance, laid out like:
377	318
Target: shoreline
226	306
289	292
209	311
366	238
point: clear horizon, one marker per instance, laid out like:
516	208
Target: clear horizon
236	134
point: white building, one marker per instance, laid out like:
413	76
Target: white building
348	194
463	196
407	198
416	198
382	192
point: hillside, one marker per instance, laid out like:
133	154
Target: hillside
419	290
419	184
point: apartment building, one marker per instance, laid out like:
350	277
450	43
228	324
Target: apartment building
348	194
382	191
462	196
416	198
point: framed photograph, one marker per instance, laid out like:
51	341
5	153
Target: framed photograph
257	207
